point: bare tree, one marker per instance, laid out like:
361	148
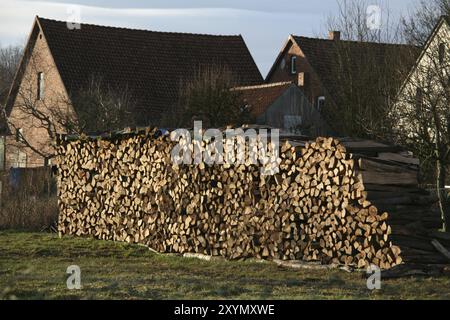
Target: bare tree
9	61
418	24
365	70
207	97
422	113
100	107
351	20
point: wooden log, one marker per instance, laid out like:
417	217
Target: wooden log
439	247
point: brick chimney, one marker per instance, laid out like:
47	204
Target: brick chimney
334	35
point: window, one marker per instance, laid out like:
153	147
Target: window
441	53
41	86
320	103
21	159
47	162
245	108
293	64
19	135
302	79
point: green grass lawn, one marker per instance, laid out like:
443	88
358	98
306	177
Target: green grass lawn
33	266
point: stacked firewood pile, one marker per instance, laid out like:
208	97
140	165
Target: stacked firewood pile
351	202
388	183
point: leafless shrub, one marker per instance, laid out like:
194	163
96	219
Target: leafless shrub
207	97
423	16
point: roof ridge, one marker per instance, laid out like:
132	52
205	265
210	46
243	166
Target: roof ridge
144	30
355	41
447	18
264	85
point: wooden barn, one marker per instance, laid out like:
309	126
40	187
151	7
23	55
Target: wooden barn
284	105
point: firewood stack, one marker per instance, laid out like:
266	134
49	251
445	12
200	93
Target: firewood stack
351	202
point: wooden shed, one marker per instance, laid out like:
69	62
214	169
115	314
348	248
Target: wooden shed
283	105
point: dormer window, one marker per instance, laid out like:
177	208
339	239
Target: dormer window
441	53
293	64
19	135
41	86
246	107
320	103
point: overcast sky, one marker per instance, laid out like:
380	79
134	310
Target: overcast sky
265	25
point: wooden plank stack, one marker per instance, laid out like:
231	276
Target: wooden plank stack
390	179
352	202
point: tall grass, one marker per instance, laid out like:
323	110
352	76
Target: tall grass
32	214
31	203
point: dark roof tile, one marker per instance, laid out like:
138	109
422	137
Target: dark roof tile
323	55
150	64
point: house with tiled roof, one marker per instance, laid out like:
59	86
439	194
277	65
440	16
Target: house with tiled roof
60	58
315	64
283	105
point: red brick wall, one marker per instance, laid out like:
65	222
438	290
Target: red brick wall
313	88
33	130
